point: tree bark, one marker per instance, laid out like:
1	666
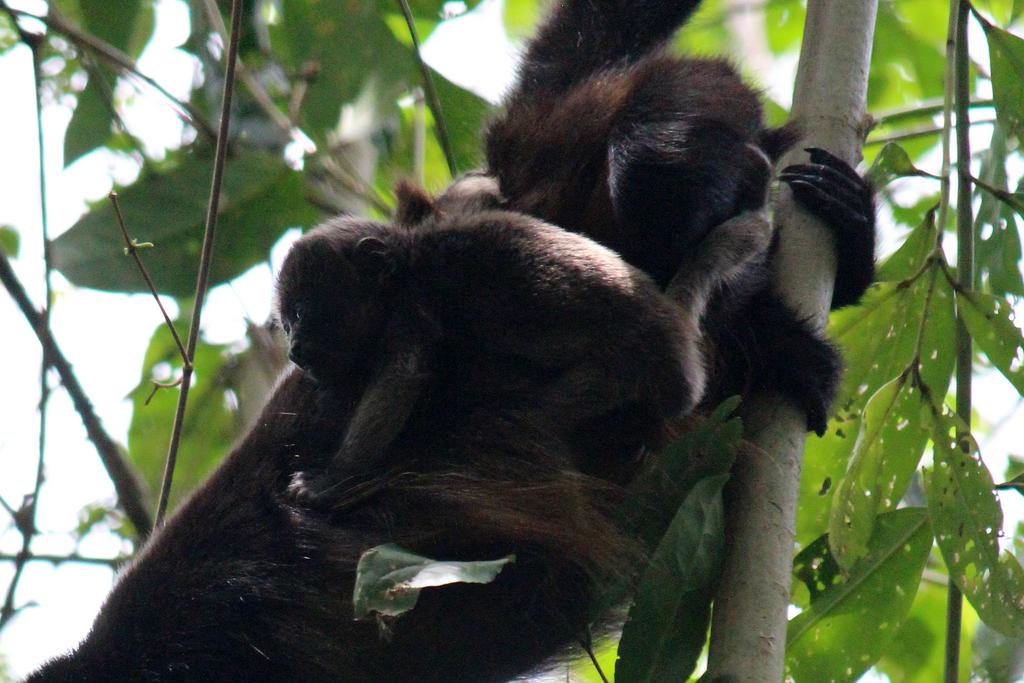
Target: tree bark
748	634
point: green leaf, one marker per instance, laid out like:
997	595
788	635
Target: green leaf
891	163
891	441
915	250
998	248
210	425
520	17
1006	55
10	241
967	520
784	25
389	578
989	319
350	44
851	620
879	337
464	114
125	24
908	63
703	451
261	198
668	621
91	121
825	460
916	654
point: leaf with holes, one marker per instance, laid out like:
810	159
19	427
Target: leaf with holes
967	520
879	337
667	623
989	319
914	251
889	446
389	578
828	641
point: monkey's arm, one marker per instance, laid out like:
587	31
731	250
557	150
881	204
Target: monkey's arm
380	415
764	345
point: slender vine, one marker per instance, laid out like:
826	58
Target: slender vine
959	12
428	84
205	259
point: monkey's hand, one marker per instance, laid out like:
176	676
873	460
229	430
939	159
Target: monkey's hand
379	417
831	190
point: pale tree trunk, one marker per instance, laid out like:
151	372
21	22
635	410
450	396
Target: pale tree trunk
748	634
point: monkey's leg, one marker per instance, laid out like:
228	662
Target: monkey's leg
763	344
379	417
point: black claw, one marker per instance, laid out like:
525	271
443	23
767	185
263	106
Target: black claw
826	158
826	176
836	212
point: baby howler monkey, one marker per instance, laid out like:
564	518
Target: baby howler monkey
460	317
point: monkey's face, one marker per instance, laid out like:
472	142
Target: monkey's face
331	302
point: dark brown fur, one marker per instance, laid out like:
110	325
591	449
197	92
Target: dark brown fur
242	584
658	158
608	135
472	318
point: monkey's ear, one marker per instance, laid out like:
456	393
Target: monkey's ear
413	205
374	260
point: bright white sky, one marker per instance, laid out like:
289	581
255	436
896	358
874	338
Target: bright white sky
105	335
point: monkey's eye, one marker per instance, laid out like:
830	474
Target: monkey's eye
286	326
297	312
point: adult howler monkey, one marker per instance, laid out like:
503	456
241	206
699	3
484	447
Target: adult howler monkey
608	135
457	354
661	159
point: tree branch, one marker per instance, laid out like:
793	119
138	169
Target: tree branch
112	562
748	635
959	13
130	492
428	83
55	21
205	258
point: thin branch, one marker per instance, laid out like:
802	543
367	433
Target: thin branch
916	111
428	83
959	9
129	490
332	163
255	88
113	562
205	259
919	132
131	248
588	647
1002	195
419	136
55	21
26	518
